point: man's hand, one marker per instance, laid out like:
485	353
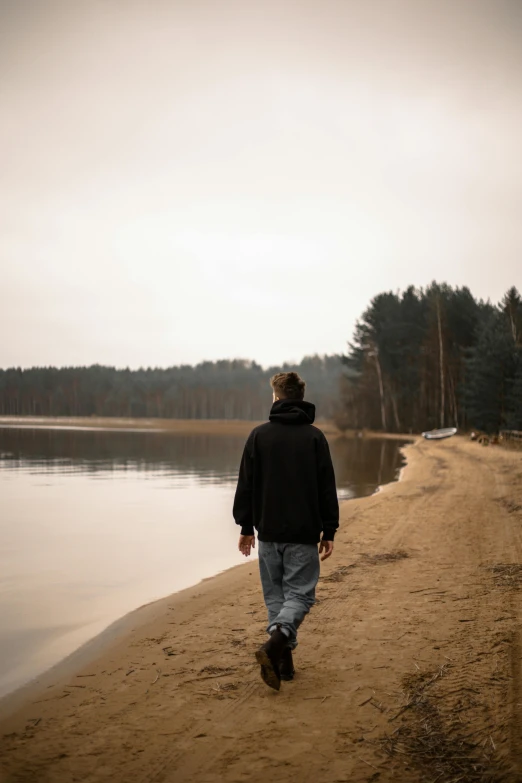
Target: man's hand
246	544
326	549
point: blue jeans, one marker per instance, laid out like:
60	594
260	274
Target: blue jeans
289	575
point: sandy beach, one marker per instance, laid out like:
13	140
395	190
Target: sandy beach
409	666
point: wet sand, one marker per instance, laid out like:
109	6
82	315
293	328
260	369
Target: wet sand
409	667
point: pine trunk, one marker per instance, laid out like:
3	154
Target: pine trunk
381	390
441	366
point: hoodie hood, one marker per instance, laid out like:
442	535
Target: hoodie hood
292	412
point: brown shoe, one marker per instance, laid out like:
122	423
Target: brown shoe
286	666
269	656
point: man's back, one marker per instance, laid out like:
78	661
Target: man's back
286	486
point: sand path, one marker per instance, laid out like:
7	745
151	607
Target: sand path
409	667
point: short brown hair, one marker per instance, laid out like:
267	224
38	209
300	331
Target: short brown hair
288	386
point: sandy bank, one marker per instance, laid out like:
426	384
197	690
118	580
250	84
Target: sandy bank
415	639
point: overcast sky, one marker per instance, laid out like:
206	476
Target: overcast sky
198	179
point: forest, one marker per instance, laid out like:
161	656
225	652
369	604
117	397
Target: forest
418	359
435	357
227	389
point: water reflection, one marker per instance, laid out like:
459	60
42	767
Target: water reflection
361	464
364	464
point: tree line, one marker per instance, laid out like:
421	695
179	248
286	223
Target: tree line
227	389
424	358
435	357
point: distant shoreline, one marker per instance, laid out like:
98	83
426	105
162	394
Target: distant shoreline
189	426
182	426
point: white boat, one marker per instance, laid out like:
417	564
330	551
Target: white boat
440	434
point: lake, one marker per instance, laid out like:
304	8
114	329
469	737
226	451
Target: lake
94	523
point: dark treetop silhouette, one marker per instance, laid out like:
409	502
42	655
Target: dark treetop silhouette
419	359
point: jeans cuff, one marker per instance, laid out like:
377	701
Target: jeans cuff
281	628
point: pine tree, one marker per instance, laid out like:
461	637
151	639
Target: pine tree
491	368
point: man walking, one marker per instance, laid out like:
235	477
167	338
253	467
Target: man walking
286	490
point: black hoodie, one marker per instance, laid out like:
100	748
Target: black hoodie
286	486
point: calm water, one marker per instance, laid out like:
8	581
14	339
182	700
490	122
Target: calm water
96	523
